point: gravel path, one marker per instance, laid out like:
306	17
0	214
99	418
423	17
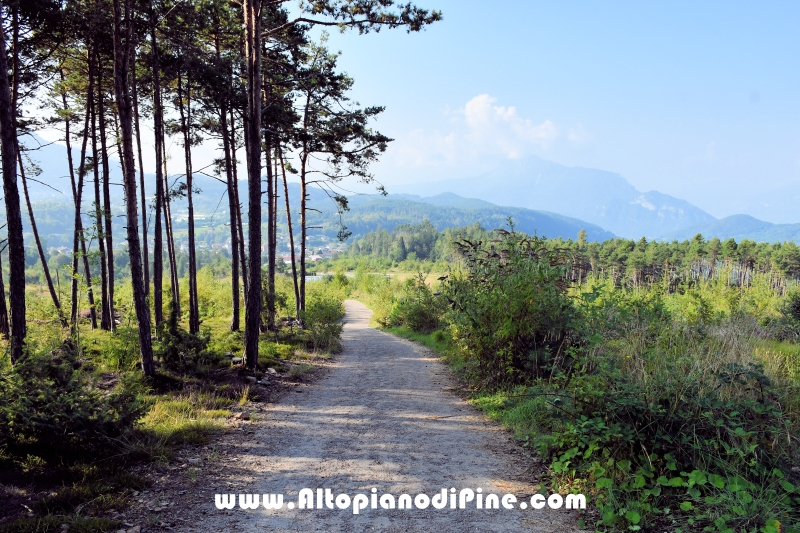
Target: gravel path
382	418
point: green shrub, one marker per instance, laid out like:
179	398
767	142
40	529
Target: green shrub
340	279
379	292
180	350
792	306
785	326
48	399
510	313
322	321
418	308
674	421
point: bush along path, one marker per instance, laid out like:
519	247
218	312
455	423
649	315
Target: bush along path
384	417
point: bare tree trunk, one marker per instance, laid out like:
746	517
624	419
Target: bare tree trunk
3	308
16	243
224	102
252	19
158	118
77	193
186	124
233	208
39	247
123	100
171	253
274	244
239	224
79	203
107	320
303	197
270	325
14	100
98	216
145	245
291	234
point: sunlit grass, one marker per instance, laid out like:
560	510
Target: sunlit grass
186	418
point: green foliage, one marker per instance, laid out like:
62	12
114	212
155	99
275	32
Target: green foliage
180	350
674	405
676	266
378	291
183	417
118	351
510	314
48	399
658	409
322	321
792	306
418	308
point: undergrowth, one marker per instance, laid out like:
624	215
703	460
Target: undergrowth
672	410
86	393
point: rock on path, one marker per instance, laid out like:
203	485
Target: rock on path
382	418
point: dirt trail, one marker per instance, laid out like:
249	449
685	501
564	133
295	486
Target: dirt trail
382	418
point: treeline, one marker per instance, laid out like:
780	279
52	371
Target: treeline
625	262
413	241
245	74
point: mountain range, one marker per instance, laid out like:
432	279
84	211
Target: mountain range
541	196
597	196
450	210
740	227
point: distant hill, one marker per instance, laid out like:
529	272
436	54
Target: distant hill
740	227
445	199
603	203
778	204
368	213
602	198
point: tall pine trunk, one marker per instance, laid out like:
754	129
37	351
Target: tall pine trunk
107	320
252	19
16	243
291	234
186	124
39	248
239	224
77	199
98	221
233	208
34	230
84	254
303	198
158	119
145	244
270	325
3	307
122	96
171	253
273	247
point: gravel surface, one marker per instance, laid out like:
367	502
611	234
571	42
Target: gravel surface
384	417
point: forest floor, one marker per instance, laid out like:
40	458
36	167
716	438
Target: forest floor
386	414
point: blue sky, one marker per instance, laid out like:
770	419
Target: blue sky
695	99
700	100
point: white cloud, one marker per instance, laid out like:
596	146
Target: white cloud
481	131
501	129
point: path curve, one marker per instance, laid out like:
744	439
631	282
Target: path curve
382	418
